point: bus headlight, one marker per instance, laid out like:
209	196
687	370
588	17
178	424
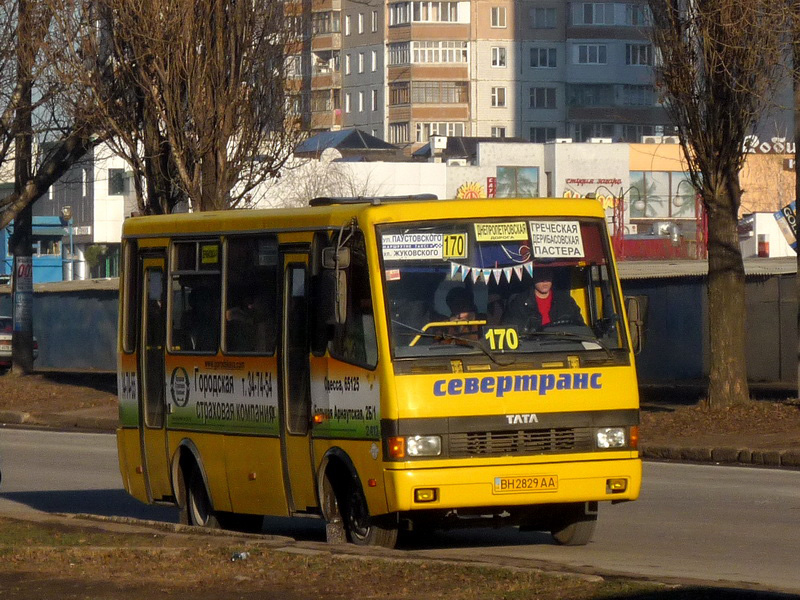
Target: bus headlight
424	445
611	437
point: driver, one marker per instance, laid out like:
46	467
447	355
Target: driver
542	305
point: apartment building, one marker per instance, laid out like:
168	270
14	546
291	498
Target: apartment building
535	69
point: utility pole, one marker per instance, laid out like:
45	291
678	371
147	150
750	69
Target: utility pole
20	243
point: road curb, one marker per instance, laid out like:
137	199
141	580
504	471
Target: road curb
58	421
723	455
13	417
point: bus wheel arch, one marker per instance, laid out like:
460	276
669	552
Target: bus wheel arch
190	483
344	505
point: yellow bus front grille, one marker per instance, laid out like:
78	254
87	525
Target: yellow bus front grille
521	442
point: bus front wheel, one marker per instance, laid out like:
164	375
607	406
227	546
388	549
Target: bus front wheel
575	526
361	529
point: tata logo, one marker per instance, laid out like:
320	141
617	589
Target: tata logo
523	418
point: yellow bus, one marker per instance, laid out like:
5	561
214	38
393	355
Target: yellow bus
383	364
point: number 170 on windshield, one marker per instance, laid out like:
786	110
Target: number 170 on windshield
502	339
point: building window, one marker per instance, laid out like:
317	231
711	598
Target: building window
434	12
425	130
498	56
543	58
321	101
360	101
583	132
637	14
347	64
638	54
399	133
498	16
374	94
661	194
593	13
498	132
373	59
360	62
116	182
543	97
440	92
638	95
541	135
347	102
633	134
439	52
399	14
592	54
517	182
589	94
498	97
399	93
360	23
543	18
399	54
325	22
374	21
347	24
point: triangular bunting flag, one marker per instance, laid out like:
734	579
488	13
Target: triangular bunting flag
454	267
475	274
487	273
529	268
464	272
498	273
507	272
518	271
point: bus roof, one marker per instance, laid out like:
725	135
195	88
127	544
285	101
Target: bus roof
333	212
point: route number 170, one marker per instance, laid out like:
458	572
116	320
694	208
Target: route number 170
502	339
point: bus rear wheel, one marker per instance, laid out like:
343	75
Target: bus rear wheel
576	526
198	506
361	529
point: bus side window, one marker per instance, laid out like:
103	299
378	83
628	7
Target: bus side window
251	294
355	341
195	287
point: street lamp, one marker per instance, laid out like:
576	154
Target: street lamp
66	219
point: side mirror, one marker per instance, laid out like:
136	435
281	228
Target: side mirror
636	308
333	296
330	260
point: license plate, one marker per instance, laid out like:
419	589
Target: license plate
518	485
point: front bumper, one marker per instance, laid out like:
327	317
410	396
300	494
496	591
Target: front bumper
473	487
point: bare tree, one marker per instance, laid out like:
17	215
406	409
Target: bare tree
58	140
718	61
41	140
192	93
305	179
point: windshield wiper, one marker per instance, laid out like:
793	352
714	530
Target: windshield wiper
570	336
444	335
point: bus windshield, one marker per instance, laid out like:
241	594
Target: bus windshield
511	286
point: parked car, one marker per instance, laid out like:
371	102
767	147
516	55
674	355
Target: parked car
6	328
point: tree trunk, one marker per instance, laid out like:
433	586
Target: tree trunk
726	298
796	84
22	283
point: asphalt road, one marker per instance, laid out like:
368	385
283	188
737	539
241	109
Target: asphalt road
731	525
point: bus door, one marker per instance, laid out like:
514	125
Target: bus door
152	406
295	386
